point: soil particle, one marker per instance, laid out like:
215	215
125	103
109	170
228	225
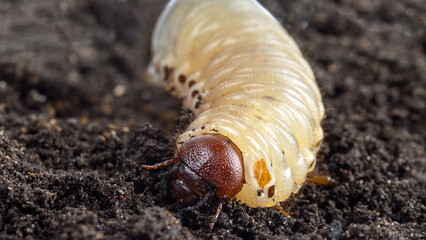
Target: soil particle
77	119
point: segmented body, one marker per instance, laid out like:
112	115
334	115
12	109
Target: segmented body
245	78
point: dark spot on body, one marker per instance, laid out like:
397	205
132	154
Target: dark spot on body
195	93
271	191
182	79
191	83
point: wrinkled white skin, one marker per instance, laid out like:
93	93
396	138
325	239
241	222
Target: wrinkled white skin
255	88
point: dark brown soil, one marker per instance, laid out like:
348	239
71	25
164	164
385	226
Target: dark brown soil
77	120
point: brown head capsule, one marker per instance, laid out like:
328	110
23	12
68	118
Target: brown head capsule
208	163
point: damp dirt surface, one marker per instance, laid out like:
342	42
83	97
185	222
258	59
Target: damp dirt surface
77	120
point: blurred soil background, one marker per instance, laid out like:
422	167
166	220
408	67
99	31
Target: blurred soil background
77	120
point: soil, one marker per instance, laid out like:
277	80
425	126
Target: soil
77	120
